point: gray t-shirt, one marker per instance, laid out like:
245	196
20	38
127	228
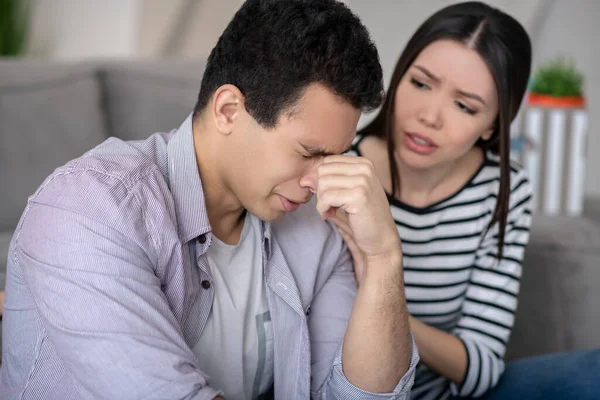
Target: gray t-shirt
236	345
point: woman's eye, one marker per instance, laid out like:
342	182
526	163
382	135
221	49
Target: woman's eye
418	84
465	108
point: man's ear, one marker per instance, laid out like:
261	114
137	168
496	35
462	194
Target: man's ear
227	106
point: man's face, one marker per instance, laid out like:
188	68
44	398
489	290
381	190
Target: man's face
272	171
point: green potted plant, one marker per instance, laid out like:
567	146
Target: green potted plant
557	84
13	27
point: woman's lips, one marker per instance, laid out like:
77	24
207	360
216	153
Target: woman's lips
419	144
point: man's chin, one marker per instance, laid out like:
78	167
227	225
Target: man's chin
275	215
273	212
269	215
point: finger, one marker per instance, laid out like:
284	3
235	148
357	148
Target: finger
356	252
342	216
341	158
348	199
329	213
325	211
341	168
349	242
341	223
327	182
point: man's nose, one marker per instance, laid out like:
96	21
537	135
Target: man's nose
310	181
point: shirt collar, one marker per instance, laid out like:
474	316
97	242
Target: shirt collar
267	242
187	190
185	183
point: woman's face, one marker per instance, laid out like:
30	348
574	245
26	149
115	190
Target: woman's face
445	102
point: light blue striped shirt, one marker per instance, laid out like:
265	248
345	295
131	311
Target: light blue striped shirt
109	288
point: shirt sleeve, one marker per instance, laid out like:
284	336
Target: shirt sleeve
491	299
87	259
328	320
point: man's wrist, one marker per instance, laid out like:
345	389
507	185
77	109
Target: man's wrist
388	263
384	275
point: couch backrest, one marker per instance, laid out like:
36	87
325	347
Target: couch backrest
49	113
52	112
146	97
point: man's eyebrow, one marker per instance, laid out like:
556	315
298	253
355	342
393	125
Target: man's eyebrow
317	151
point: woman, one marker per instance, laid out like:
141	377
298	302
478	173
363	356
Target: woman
440	147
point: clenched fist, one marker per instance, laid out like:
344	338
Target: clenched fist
350	184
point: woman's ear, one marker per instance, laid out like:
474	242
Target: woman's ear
487	135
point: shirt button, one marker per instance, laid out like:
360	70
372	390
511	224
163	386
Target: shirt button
202	239
205	284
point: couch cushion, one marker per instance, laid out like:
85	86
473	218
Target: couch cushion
559	288
591	208
145	97
49	114
5	238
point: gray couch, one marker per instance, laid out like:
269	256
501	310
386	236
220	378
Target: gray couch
51	113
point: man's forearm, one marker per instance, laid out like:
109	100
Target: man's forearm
377	346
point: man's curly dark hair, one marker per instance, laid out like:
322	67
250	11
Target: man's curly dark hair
273	49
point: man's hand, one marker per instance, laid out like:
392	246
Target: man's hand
340	219
349	183
376	350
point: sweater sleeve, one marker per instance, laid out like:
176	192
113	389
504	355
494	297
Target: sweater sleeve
491	299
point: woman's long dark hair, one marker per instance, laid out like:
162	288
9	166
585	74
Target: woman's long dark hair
505	47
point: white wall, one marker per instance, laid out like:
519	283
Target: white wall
88	29
199	24
80	29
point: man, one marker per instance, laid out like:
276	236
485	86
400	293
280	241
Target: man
151	269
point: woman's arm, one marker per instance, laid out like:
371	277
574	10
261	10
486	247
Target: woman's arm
487	319
441	351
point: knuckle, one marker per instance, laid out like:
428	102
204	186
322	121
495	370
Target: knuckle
363	181
367	169
321	170
325	197
362	194
369	165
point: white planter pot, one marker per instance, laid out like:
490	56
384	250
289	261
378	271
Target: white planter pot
550	143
